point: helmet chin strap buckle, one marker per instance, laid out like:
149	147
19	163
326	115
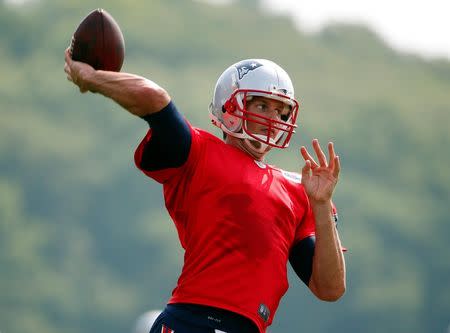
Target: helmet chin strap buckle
230	105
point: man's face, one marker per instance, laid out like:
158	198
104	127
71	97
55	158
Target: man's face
260	119
267	108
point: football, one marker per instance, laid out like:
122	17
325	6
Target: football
98	41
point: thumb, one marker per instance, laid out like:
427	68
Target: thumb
306	170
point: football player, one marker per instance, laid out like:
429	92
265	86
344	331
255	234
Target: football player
239	219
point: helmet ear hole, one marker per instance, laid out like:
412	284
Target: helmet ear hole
229	106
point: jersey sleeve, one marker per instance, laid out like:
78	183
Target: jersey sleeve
164	174
170	140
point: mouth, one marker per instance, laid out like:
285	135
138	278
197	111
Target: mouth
270	133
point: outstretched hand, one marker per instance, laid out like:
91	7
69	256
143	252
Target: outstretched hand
76	71
320	179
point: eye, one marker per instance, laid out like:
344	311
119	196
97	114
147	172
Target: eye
261	106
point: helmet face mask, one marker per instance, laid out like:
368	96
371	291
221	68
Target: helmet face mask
235	89
236	107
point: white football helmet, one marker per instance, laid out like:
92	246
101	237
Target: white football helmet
237	84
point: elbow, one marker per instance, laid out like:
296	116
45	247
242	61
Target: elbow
328	292
151	98
331	294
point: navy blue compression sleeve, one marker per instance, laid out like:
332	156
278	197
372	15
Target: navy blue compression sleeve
301	258
170	142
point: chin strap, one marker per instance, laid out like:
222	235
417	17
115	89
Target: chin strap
250	144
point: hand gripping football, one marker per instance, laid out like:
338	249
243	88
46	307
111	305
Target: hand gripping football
98	41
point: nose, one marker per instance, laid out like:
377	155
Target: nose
274	113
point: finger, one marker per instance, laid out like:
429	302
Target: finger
331	154
306	170
337	166
69	78
67	56
308	157
320	155
66	68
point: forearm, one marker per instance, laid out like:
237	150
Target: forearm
134	93
328	273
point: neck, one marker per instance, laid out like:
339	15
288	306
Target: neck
246	148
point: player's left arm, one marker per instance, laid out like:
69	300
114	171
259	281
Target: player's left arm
301	258
319	179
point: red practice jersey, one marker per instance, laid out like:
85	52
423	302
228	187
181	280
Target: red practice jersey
237	220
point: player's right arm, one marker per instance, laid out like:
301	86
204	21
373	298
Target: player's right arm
170	140
170	136
136	94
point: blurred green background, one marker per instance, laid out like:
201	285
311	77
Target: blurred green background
85	242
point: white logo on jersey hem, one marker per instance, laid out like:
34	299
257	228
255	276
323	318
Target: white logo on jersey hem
218	331
292	176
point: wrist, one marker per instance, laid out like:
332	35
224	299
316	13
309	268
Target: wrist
320	204
87	77
323	211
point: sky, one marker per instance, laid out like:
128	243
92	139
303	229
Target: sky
415	26
420	27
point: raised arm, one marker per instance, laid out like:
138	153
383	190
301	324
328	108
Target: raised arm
319	179
136	94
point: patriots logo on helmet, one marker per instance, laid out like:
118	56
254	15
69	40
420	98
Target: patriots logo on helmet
165	329
244	67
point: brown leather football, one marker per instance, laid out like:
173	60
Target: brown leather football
98	41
